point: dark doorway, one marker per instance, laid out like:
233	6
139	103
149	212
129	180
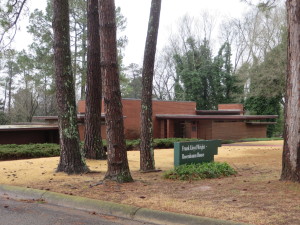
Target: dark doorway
179	129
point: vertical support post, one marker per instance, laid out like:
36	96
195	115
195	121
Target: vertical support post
170	128
194	131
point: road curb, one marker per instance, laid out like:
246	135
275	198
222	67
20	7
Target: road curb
109	208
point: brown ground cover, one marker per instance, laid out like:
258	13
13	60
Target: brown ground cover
255	195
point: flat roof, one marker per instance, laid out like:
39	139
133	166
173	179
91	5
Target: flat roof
79	116
215	117
28	127
153	99
260	123
219	112
46	117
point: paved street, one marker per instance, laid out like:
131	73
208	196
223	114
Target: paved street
14	212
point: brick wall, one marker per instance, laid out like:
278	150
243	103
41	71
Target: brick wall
170	107
81	106
132	111
205	129
81	128
237	130
231	107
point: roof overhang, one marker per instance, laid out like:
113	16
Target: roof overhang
80	116
214	117
260	123
27	127
219	112
54	119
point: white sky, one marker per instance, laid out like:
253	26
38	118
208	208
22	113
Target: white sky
137	14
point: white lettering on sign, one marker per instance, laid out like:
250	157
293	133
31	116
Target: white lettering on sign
192	156
193	147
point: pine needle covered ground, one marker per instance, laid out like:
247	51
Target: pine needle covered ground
254	195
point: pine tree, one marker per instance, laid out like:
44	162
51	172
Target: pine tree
92	141
146	145
291	148
71	158
118	168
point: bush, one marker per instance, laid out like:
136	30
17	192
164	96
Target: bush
200	171
133	144
169	142
13	152
3	118
262	139
157	143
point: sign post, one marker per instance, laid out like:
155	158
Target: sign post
195	152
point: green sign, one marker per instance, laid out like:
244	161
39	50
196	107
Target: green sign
195	152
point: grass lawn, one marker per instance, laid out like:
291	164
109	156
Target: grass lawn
254	195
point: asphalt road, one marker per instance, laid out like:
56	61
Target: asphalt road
16	212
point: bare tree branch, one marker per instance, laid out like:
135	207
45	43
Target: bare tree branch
10	20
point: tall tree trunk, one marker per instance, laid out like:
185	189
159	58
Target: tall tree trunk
45	96
93	142
146	146
75	53
71	158
84	63
291	148
10	91
118	168
5	96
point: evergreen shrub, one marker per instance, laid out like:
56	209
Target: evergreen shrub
200	171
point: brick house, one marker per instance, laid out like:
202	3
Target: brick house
181	119
170	119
